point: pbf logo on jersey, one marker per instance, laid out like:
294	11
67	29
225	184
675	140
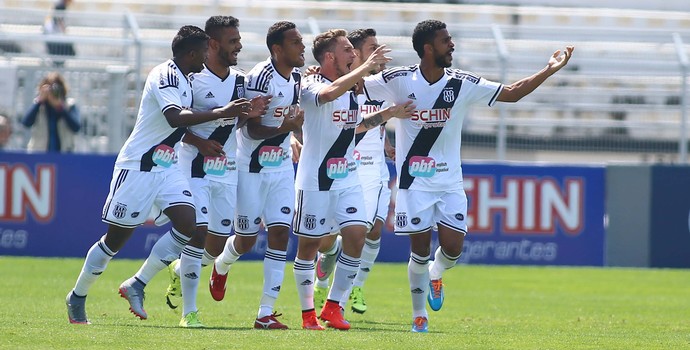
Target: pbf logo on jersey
357	156
271	156
164	156
422	166
336	168
215	165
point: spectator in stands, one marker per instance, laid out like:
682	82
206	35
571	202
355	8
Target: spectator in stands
53	118
55	24
5	131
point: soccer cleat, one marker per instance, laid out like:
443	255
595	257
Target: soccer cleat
133	291
191	320
76	309
320	295
357	297
332	314
435	297
310	322
420	325
269	322
217	284
174	291
326	264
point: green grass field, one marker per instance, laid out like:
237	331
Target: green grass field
486	307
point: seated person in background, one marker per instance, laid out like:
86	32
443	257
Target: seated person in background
53	118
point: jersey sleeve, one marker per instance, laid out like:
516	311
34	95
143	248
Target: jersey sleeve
258	83
167	90
479	90
310	91
376	88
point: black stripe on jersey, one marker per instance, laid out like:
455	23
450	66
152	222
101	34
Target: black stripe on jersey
426	137
172	80
297	77
254	166
360	136
337	150
172	105
221	134
263	79
147	158
495	96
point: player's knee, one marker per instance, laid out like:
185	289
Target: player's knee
244	244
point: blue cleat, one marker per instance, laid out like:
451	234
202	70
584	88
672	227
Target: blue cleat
420	325
435	297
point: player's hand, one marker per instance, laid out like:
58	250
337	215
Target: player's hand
377	59
296	148
312	70
236	108
259	106
389	150
294	120
402	111
210	148
559	59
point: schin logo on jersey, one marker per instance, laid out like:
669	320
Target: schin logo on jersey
345	118
435	115
164	156
215	165
284	111
271	156
368	109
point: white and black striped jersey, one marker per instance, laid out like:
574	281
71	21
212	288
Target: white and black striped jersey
428	144
150	146
369	146
272	154
326	162
212	91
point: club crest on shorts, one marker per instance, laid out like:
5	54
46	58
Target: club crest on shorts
310	222
400	219
242	222
120	210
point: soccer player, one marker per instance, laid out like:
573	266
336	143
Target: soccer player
265	188
329	195
210	164
144	175
430	190
374	176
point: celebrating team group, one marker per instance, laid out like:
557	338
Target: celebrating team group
212	152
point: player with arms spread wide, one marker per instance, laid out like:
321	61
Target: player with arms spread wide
430	190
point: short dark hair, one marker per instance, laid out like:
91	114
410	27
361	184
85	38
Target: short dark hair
215	24
276	33
424	33
325	42
358	36
188	38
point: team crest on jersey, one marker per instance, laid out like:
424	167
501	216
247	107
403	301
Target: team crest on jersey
310	222
448	95
240	91
400	219
120	210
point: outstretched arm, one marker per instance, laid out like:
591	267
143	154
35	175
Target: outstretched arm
346	82
525	86
377	118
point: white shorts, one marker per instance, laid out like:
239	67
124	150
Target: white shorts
319	213
377	198
264	196
215	204
419	211
134	193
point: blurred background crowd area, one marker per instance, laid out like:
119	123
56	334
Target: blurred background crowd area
622	99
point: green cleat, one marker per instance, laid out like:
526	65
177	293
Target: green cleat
173	294
191	320
357	297
320	295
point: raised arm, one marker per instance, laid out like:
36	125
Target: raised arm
523	87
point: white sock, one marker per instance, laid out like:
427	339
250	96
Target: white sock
369	253
95	263
418	275
227	257
165	251
190	272
304	279
344	274
207	259
323	283
442	262
274	273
